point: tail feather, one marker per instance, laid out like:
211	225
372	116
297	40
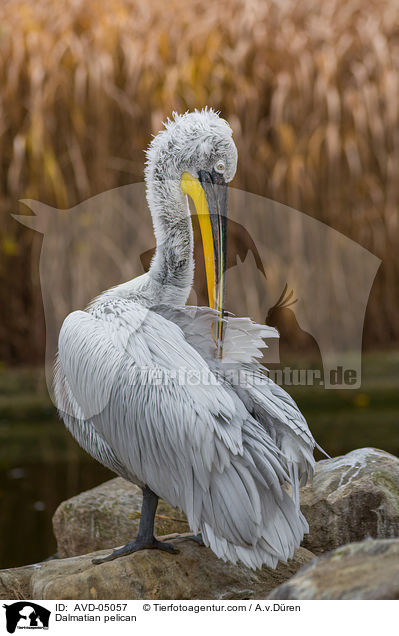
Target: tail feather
250	515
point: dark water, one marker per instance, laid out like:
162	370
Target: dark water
30	495
35	476
41	465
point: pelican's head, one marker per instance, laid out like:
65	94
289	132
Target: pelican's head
195	142
195	155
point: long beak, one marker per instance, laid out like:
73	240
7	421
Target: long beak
209	194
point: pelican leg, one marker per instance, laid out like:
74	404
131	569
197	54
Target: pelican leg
145	539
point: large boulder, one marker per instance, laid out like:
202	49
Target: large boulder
194	573
364	570
352	497
106	516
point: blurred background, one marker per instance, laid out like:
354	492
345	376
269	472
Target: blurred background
311	91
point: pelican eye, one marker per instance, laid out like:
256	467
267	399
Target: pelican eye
220	166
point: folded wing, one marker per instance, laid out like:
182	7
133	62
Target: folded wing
147	390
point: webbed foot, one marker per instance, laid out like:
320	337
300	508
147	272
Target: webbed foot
135	546
196	537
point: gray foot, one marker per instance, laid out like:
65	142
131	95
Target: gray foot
135	546
196	537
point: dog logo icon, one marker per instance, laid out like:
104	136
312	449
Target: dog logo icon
26	615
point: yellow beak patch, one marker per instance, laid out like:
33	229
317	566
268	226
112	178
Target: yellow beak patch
191	186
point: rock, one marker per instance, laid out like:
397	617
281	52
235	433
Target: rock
106	516
365	570
194	573
353	497
15	582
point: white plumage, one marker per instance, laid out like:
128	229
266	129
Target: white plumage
139	386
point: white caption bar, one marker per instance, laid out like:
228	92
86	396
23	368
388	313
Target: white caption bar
136	617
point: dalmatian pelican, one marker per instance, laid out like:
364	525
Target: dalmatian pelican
229	448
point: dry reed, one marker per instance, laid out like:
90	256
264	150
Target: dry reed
311	90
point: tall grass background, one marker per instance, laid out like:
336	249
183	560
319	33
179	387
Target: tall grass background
311	90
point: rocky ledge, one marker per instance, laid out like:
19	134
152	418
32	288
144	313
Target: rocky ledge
353	498
194	573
